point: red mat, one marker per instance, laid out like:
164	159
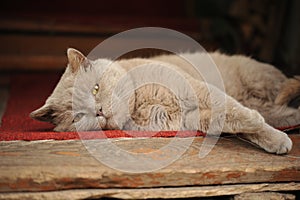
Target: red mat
28	92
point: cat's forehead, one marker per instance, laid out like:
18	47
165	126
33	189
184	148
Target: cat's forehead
101	61
101	65
81	83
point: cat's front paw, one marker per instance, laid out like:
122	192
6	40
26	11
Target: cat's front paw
271	140
275	141
282	145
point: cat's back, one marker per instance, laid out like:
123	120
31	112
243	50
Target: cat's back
197	64
235	71
241	75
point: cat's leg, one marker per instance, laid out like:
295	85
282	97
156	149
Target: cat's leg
289	93
280	109
280	115
250	123
251	126
285	109
240	119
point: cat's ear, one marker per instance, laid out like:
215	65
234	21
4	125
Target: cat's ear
45	114
76	59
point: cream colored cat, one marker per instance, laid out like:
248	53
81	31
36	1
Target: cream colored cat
256	100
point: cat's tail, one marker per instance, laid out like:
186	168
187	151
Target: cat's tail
289	93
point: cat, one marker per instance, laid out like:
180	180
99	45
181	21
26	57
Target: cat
258	98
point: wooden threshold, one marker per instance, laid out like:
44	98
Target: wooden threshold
41	166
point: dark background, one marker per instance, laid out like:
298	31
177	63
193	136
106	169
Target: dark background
34	35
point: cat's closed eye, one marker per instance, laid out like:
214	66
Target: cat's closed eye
78	117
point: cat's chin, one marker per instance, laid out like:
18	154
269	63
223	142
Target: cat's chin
102	122
111	125
107	124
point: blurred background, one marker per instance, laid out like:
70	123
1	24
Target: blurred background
35	34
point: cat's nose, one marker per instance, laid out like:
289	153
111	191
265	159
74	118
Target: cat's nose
99	112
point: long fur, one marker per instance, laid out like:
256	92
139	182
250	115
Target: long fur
257	96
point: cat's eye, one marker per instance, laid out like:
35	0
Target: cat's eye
77	117
95	89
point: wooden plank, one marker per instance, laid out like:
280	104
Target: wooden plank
60	165
265	196
152	193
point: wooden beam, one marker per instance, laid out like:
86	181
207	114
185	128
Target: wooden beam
153	193
265	196
61	165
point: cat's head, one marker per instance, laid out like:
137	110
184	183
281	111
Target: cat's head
82	98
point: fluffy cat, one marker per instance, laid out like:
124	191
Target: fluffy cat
258	97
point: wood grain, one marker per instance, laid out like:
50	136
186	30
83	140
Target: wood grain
265	196
61	165
153	193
